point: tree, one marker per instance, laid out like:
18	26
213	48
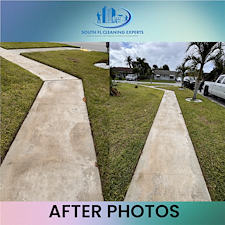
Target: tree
219	68
140	66
182	69
219	63
136	68
155	67
128	61
112	73
146	70
166	67
202	52
150	73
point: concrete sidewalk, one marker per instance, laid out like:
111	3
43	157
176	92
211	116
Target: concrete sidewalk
39	69
52	157
168	169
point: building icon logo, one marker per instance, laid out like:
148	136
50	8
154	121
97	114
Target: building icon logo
113	18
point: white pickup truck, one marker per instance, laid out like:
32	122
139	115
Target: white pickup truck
215	88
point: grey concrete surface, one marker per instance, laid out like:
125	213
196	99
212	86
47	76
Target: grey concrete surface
18	51
93	46
39	69
168	169
214	99
52	157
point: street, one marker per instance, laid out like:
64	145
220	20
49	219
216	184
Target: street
215	99
94	46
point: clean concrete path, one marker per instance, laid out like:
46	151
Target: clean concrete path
168	169
39	69
52	157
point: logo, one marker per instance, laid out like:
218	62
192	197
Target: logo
113	18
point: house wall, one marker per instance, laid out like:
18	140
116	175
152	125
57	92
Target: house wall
164	77
121	74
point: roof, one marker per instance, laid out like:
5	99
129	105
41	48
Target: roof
123	69
167	72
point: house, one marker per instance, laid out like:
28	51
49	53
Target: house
122	71
166	75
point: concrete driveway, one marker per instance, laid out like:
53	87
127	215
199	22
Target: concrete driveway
215	99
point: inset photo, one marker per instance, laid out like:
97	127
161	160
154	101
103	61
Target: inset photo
168	101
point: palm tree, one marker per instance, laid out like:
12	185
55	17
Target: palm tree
219	63
128	61
149	72
146	70
202	53
142	65
182	69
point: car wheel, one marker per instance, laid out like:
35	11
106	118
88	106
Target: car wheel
206	91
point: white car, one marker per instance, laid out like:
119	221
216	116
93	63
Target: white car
131	77
215	88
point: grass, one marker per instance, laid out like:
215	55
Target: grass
160	81
21	45
119	78
130	119
120	125
18	91
205	123
158	85
81	65
96	88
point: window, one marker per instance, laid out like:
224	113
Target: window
220	79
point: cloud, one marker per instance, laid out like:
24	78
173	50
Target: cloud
159	53
115	46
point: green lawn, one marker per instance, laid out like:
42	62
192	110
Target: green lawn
130	119
206	126
119	124
21	45
158	85
18	91
159	81
96	88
